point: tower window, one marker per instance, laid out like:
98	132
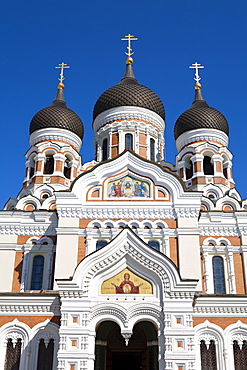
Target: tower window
45	355
129	141
208	356
13	354
219	275
100	244
104	150
37	272
152	150
154	244
67	168
189	170
208	167
49	164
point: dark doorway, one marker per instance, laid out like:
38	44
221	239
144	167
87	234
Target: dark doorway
112	353
125	361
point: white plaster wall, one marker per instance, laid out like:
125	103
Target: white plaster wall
6	270
66	256
68	222
189	257
8	239
187	222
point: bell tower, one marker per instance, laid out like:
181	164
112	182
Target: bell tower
201	134
129	116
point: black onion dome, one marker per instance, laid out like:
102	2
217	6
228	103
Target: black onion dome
128	92
200	115
57	115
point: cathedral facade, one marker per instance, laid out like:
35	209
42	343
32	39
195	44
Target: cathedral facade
127	260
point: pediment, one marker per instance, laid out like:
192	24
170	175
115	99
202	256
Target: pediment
127	252
127	180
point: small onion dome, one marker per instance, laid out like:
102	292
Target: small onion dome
200	115
58	115
128	92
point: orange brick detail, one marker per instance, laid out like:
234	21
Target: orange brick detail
95	194
58	179
142	152
223	322
75	172
181	172
197	166
174	250
81	249
142	139
239	273
16	284
114	151
218	166
39	166
234	240
59	166
31	321
161	194
38	179
115	139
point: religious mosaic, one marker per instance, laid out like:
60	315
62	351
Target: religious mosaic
126	282
128	187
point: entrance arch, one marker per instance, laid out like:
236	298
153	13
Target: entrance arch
112	353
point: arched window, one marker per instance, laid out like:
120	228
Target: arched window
67	167
105	150
189	170
45	355
208	356
37	273
129	141
49	164
100	244
152	150
154	244
13	354
208	167
31	167
240	355
218	275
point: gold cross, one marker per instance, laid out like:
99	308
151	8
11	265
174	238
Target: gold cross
62	66
129	38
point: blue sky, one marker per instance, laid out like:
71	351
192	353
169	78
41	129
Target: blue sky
37	35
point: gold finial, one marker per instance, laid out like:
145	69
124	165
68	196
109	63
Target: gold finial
129	38
61	66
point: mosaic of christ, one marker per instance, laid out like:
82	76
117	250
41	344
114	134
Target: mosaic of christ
128	187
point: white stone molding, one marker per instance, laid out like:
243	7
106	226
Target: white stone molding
56	134
199	135
207	332
30	303
222	306
128	112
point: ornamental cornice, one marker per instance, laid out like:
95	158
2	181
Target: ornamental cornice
49	134
27	230
220	310
128	213
122	113
201	135
26	309
219	231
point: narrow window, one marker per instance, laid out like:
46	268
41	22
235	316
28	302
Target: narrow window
67	168
219	276
13	355
45	355
31	168
152	151
208	167
37	273
100	244
49	164
240	355
208	356
189	170
129	141
154	244
105	150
